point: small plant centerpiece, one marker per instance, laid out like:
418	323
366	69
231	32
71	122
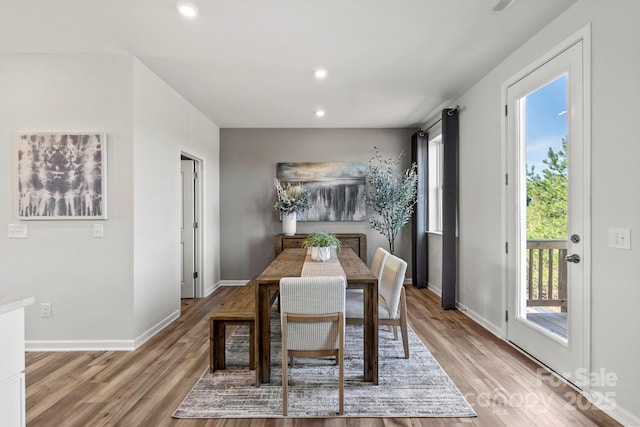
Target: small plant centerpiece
290	200
320	244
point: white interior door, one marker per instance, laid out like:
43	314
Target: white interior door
547	212
188	231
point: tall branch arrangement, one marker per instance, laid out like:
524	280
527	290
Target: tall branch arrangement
391	195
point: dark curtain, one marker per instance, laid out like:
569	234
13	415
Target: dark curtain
449	207
420	156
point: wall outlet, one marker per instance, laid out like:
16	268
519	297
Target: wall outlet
45	309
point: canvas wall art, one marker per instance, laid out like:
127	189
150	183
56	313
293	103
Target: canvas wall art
62	176
337	188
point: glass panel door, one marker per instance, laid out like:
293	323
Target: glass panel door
543	115
547	213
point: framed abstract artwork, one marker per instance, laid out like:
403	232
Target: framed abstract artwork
62	176
336	188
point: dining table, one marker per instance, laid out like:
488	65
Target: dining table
295	262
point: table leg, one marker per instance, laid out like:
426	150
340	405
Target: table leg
371	333
263	333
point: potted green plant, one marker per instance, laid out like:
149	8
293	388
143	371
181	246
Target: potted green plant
320	244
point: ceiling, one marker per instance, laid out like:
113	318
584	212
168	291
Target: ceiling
250	63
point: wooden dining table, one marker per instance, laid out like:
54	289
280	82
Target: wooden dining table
289	264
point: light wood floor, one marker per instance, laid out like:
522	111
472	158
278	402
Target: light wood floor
144	387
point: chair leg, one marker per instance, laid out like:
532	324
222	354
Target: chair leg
285	380
403	323
340	360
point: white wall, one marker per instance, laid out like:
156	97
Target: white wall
88	281
164	125
615	200
114	292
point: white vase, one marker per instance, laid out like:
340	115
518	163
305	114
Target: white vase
320	253
289	223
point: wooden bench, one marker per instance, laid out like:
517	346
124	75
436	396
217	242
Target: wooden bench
239	309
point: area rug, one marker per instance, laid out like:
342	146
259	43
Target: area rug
414	387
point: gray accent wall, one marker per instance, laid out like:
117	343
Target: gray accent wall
248	159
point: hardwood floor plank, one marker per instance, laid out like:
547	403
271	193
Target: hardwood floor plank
144	387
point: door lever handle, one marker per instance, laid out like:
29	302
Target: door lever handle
572	258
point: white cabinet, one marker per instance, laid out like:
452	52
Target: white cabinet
12	401
12	379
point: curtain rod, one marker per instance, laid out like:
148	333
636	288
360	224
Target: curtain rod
457	107
451	110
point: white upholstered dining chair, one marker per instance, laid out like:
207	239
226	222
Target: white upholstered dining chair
312	317
392	301
379	257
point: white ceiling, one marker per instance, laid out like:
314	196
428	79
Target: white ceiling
250	63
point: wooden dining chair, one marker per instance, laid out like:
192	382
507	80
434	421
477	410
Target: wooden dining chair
312	318
392	300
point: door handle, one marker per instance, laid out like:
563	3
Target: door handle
572	258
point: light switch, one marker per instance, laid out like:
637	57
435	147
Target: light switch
18	231
620	238
98	231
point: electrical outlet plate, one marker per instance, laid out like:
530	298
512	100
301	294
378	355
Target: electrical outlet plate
98	231
18	231
620	238
45	309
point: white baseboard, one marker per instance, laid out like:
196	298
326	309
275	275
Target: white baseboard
495	330
80	345
144	337
618	413
100	345
434	289
233	282
489	326
209	289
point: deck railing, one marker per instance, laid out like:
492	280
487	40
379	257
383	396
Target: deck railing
547	273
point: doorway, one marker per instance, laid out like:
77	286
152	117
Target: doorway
189	226
548	211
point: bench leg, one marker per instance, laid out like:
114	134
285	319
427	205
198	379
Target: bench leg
217	349
252	345
211	346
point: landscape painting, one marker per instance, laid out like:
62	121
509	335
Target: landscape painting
336	188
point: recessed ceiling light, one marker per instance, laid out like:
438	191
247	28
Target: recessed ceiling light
320	73
188	10
319	113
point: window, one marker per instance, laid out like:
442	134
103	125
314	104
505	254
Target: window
434	181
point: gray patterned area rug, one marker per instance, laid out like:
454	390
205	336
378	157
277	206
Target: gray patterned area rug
414	387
